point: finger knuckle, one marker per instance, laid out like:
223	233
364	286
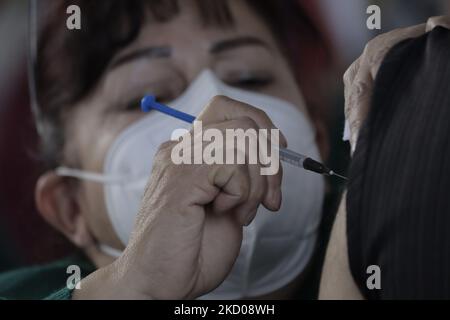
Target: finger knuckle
368	46
374	44
260	113
346	76
219	100
350	73
246	123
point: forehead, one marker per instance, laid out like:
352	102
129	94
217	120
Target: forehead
189	27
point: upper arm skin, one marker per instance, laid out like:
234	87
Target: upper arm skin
337	282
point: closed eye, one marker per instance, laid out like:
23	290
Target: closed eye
252	83
250	80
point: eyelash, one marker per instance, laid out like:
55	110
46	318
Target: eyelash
249	83
254	83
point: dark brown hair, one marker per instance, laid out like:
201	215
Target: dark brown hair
70	63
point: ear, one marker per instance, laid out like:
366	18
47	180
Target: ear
57	203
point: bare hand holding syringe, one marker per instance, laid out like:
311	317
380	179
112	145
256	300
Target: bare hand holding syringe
149	103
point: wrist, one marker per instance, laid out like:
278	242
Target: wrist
108	283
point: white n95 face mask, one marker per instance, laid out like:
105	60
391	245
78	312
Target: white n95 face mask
276	247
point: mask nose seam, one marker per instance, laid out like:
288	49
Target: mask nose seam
89	176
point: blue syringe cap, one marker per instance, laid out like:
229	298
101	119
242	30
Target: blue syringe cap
147	103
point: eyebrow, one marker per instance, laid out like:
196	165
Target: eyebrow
166	51
230	44
150	52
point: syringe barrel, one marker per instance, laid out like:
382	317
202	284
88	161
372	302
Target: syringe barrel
292	157
302	161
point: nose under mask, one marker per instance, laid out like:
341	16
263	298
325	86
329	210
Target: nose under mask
275	247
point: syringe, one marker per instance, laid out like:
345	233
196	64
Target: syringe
149	103
306	163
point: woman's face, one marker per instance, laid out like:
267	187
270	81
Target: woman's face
164	60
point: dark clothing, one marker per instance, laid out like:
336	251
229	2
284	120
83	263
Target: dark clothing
398	204
42	282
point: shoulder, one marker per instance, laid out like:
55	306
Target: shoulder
397	205
38	282
337	281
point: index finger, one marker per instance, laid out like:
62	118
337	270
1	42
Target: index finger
222	108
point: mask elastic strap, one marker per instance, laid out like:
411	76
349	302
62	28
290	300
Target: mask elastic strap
88	176
110	251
